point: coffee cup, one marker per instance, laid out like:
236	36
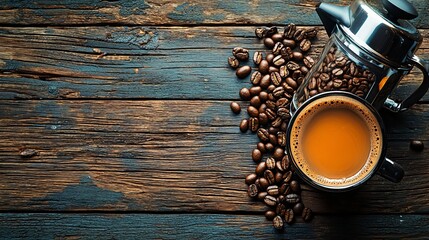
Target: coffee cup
337	142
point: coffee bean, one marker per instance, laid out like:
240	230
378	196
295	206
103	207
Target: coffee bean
307	214
270	215
337	72
282	102
251	178
269	42
284	189
289	216
270	58
273	130
253	124
305	45
244	125
285	162
286	53
283	71
261	147
260	169
291	82
245	94
272	69
233	62
270	201
256	155
294	185
289	43
289	31
281	139
283	113
255	101
280	209
255	79
297	56
240	53
261	196
278	61
417	145
277	37
278	176
278	92
254	91
263	134
257	57
308	61
311	33
273	190
263	118
270	31
235	107
276	79
264	66
291	65
252	111
243	71
271	163
277	122
263	183
273	139
278	223
265	81
269	147
298	208
263	96
252	190
277	47
278	154
292	198
287	176
259	32
269	175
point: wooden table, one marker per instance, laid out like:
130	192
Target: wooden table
127	106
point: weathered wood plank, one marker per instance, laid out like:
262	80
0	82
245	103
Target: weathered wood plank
207	226
169	156
180	12
141	62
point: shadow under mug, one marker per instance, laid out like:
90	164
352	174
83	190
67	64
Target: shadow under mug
376	163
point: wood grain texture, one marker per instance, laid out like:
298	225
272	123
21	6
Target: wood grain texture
182	155
207	226
140	62
177	12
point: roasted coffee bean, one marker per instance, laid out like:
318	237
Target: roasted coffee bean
282	102
297	208
311	33
289	216
255	79
270	58
251	178
259	32
283	113
289	43
281	199
269	42
337	72
291	82
291	65
308	61
263	96
270	105
278	92
337	83
277	122
270	200
256	155
279	169
299	35
233	62
269	147
286	53
260	169
261	196
265	81
278	223
273	190
277	37
278	176
270	89
281	139
252	190
294	185
263	183
255	101
278	61
292	198
273	139
271	163
272	69
263	118
417	145
307	214
243	71
283	127
245	94
253	124
284	189
289	31
240	53
273	130
269	175
297	56
287	176
305	45
254	91
277	47
261	147
281	209
276	79
252	111
270	31
235	107
271	114
244	125
341	61
270	215
257	57
285	162
278	154
304	70
264	66
283	71
263	134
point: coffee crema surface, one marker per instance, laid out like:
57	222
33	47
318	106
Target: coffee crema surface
336	141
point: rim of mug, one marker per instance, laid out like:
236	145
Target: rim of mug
373	171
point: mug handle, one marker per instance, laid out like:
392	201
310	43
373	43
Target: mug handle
391	171
417	94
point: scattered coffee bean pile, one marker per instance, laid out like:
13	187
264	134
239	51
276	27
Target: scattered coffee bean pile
337	72
280	72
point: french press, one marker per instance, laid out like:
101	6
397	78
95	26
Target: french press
371	47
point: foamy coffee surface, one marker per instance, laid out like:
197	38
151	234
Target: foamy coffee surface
304	118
